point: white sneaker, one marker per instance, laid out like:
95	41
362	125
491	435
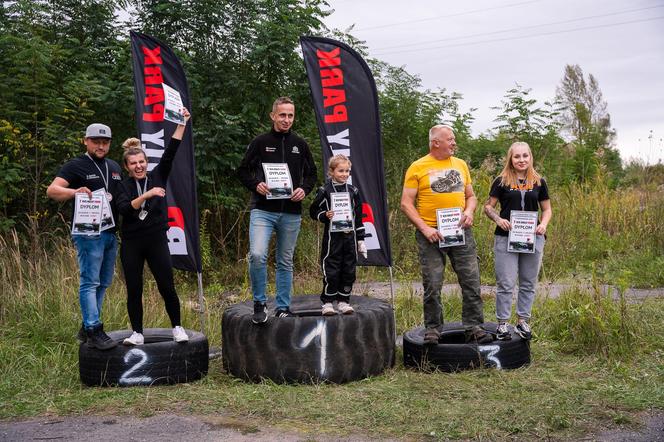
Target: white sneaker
134	339
328	309
345	308
179	335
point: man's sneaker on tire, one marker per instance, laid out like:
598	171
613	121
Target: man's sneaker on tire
431	336
503	332
179	334
260	313
345	308
98	339
328	309
283	313
523	329
82	336
478	335
135	339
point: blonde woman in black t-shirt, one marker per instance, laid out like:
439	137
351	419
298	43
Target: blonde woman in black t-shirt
518	187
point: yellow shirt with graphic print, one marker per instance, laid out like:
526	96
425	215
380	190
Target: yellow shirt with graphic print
440	184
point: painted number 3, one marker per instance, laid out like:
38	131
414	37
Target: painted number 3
489	352
141	359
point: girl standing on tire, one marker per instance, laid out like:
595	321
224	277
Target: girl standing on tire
519	187
343	239
142	204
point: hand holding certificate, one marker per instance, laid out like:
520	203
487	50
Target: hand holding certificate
522	234
449	227
278	181
172	105
87	213
342	217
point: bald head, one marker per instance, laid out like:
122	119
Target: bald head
442	143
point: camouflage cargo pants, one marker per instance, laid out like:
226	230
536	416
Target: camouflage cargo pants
465	265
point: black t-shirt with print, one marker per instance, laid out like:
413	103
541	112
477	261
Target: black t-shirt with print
84	171
516	199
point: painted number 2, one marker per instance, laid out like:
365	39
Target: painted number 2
142	359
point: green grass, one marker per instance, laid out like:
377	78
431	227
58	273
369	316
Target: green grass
583	375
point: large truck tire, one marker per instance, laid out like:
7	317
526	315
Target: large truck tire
309	347
453	354
159	361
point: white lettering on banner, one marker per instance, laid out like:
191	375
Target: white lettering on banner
320	332
490	352
177	241
340	138
142	357
371	237
153	144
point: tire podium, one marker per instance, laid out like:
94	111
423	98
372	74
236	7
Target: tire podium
159	361
453	354
309	348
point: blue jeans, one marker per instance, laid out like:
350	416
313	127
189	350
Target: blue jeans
261	226
96	262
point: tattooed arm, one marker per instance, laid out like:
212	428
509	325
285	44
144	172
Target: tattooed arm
491	212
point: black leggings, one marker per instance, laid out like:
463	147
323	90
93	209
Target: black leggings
154	250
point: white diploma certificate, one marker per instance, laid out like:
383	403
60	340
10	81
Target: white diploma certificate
278	180
449	228
107	220
342	220
87	214
521	238
172	105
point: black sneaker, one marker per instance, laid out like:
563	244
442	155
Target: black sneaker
97	338
283	313
478	335
431	336
260	313
503	332
523	329
82	336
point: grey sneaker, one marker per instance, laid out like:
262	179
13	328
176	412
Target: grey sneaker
345	308
328	309
135	339
503	332
179	334
431	336
523	330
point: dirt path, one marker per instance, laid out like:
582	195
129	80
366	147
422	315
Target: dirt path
382	289
169	427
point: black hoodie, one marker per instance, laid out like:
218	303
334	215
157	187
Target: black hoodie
277	147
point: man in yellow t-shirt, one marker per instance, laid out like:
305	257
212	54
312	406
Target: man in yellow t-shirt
440	181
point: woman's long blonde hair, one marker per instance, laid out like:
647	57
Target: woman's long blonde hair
508	177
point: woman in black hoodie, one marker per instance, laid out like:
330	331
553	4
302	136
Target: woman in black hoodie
141	201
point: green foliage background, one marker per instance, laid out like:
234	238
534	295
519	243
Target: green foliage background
66	63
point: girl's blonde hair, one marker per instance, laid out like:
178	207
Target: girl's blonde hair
508	177
132	146
335	161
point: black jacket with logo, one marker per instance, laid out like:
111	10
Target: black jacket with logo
277	147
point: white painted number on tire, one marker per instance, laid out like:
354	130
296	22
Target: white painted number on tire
126	378
320	332
489	353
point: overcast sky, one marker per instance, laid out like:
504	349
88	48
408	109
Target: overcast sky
482	48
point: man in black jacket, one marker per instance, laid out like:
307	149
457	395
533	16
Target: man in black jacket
276	163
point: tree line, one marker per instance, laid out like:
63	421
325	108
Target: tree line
66	63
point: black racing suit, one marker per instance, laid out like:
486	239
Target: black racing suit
338	255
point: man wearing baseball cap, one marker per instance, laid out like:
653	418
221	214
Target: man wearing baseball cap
87	173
